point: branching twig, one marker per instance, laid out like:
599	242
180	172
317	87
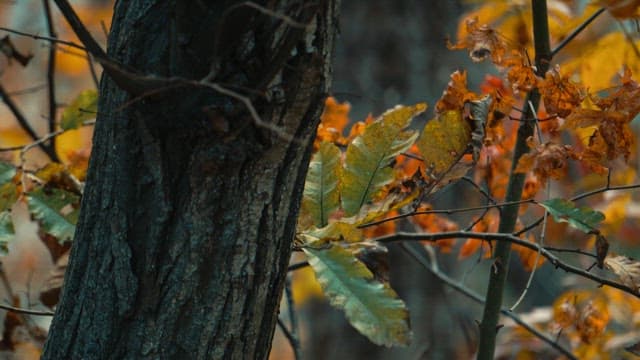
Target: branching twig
477	298
47	38
606	188
512	239
577	31
24	123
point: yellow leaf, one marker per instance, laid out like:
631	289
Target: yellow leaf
443	141
368	158
600	61
321	193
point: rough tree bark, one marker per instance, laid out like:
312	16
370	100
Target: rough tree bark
190	208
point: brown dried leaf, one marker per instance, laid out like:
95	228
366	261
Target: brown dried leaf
482	42
602	249
627	269
560	95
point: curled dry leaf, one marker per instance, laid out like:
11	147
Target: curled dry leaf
602	249
548	160
456	94
561	96
627	269
482	42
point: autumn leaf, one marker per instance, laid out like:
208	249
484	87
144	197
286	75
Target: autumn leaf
581	313
583	219
548	160
371	307
321	193
482	42
82	108
368	158
332	122
336	231
560	95
627	269
456	94
443	142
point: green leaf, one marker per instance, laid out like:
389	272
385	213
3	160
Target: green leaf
7	233
8	195
368	158
321	193
443	141
373	308
83	107
584	218
7	172
56	210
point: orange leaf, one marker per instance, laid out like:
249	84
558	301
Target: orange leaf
482	41
456	93
547	160
560	95
335	115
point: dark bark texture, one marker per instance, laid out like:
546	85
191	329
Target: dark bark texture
190	207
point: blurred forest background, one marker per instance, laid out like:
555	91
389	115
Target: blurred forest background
388	53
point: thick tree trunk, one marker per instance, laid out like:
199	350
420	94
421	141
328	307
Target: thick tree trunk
190	206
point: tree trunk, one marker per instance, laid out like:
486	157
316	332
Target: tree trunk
190	205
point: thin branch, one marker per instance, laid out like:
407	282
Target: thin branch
22	120
508	238
51	76
606	188
46	38
298	266
287	334
477	298
293	320
570	251
577	31
446	211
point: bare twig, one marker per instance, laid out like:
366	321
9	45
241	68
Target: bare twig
293	320
575	32
510	238
297	266
606	188
477	298
47	38
23	122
